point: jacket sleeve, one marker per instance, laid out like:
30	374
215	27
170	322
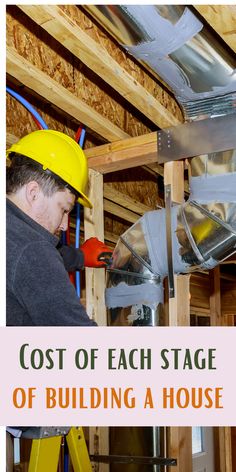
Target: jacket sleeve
43	288
73	258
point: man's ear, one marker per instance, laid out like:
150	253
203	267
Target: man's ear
32	192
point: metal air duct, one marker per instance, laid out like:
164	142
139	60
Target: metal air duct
178	47
203	235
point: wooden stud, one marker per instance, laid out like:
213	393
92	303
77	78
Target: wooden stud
174	176
99	444
179	446
110	193
11	139
179	438
223	443
120	211
95	304
179	307
29	75
94	227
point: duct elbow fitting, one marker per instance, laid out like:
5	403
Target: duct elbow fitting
203	234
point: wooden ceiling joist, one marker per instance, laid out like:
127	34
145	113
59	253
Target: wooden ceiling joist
110	193
131	152
120	211
71	36
222	19
30	76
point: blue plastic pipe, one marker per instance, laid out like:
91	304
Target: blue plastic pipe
27	105
77	227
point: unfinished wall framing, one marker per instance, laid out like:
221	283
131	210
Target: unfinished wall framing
74	72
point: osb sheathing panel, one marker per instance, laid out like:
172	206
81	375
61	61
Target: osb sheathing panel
19	121
138	184
118	54
43	51
38	47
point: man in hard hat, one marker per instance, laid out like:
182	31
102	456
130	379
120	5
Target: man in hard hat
48	173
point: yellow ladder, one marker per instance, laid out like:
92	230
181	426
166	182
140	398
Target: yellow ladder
45	452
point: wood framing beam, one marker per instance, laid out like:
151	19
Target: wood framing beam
120	211
52	19
99	444
11	139
123	154
222	18
30	76
94	227
223	449
95	290
179	439
179	306
174	176
179	446
124	200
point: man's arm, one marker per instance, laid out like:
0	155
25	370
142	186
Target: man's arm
73	258
43	288
92	253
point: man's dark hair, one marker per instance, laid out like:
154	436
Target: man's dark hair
23	170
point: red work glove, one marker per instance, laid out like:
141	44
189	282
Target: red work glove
96	253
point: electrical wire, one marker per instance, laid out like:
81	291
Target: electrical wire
37	118
78	133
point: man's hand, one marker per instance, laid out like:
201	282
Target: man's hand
96	253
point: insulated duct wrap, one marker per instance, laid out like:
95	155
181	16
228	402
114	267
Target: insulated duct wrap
203	234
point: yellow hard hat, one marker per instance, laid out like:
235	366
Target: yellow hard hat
58	153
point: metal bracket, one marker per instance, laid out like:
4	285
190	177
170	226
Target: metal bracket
168	204
44	432
196	138
133	460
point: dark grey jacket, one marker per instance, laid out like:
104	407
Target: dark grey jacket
39	292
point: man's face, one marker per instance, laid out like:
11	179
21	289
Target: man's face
52	212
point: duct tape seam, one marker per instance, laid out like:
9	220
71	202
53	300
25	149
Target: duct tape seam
161	39
186	27
124	295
